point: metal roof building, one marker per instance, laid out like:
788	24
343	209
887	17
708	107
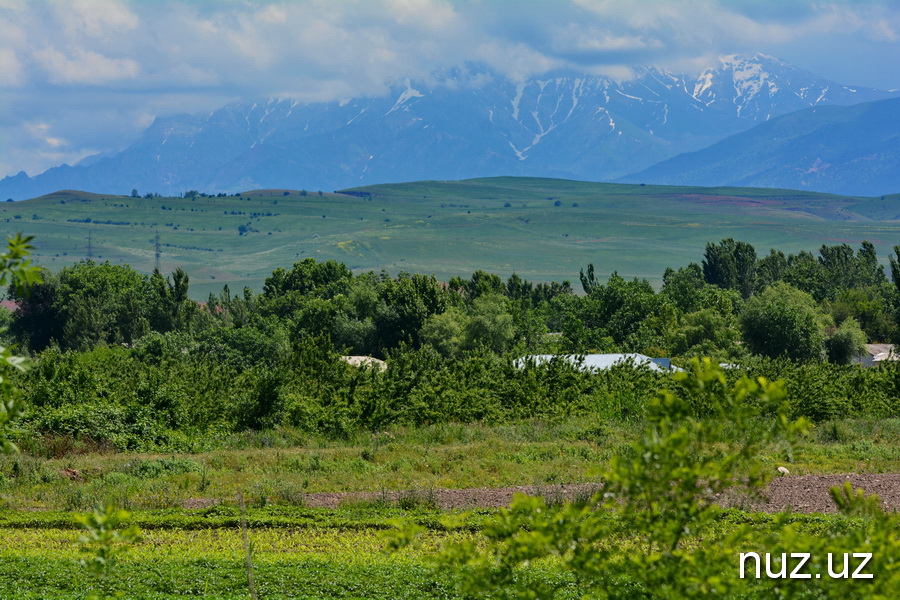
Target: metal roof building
876	354
601	362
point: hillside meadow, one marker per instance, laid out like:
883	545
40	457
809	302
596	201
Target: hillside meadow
542	229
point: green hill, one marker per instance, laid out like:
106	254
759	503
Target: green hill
542	229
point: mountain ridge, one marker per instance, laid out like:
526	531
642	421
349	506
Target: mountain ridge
851	150
465	122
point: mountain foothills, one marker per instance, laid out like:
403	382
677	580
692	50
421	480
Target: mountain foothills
542	229
471	122
844	149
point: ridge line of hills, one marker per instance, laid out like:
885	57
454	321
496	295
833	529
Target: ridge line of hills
542	229
471	122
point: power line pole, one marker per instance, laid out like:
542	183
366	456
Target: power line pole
90	248
157	250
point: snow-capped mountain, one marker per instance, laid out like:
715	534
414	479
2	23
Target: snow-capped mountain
851	150
763	87
465	122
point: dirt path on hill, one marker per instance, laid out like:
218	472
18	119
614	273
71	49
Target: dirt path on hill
803	493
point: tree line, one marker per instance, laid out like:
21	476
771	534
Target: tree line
129	361
731	305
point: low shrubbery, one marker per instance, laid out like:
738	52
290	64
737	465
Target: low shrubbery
135	399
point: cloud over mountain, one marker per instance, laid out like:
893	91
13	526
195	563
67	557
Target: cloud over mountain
462	122
94	73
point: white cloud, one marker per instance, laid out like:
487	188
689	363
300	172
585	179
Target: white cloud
433	15
517	61
39	147
125	58
85	66
13	41
884	30
10	68
40	132
95	18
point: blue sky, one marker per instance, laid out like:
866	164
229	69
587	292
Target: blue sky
78	77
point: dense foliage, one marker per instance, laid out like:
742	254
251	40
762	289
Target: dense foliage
117	354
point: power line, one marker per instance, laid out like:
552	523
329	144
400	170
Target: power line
157	250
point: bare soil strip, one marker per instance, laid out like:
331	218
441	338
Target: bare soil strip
802	494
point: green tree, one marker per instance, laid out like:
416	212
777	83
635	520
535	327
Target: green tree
490	324
783	322
168	305
846	343
805	273
404	304
771	268
588	282
627	313
684	287
36	321
839	268
16	270
81	306
868	272
894	260
731	265
446	331
479	284
705	332
100	303
285	291
870	306
309	277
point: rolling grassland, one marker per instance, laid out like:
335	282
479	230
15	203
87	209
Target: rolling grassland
542	229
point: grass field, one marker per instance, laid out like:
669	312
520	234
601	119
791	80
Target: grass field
343	556
542	229
341	552
280	468
291	559
296	553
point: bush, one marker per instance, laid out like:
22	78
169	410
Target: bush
846	343
783	322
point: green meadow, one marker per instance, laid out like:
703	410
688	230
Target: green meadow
542	229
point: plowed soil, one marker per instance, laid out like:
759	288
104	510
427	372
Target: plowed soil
805	494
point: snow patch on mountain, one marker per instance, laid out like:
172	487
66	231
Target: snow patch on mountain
466	122
704	82
408	94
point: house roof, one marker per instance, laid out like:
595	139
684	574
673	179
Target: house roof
368	361
594	362
880	352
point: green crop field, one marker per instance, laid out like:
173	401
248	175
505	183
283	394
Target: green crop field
542	229
297	553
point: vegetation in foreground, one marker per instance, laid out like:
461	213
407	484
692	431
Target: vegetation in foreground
302	553
655	531
282	467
